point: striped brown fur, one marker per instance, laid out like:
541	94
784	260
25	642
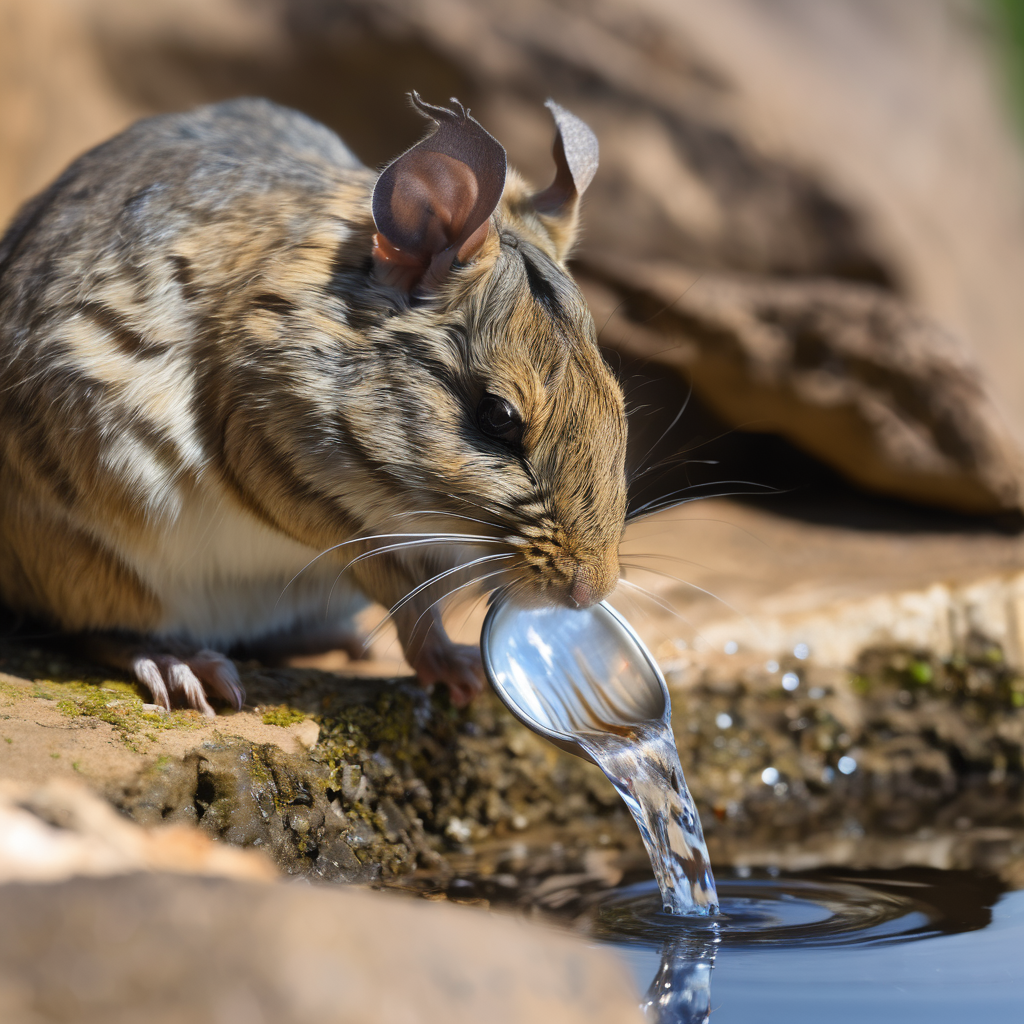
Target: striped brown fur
204	386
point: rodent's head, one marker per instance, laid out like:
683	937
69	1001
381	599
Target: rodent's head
526	423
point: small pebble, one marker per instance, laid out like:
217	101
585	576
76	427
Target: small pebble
459	830
723	720
770	776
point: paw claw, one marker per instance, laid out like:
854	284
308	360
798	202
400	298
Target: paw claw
457	666
146	672
219	673
172	680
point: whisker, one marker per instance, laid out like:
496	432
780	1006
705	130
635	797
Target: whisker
661	604
400	547
668	558
691	487
453	515
476	579
645	613
701	519
645	513
438	538
686	583
399	605
455	590
664	434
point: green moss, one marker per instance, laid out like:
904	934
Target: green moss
118	704
921	672
283	715
9	692
1009	23
861	684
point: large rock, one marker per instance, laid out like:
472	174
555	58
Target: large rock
806	146
166	949
844	370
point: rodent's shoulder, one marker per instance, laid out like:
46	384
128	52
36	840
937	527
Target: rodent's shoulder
245	128
246	162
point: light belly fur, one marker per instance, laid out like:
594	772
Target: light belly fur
222	576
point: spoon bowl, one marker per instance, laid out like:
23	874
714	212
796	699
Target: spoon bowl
564	672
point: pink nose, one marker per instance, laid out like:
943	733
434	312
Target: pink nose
583	591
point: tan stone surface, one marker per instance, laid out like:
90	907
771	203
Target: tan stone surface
60	829
166	949
39	742
822	145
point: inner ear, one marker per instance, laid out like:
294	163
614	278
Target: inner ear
576	154
432	205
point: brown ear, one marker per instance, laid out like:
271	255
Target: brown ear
575	152
432	205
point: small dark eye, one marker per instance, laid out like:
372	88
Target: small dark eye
499	418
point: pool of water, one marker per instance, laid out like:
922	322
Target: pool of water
903	947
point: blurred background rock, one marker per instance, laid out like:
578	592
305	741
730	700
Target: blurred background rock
814	212
807	227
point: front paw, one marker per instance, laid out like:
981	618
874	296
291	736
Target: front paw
189	679
457	666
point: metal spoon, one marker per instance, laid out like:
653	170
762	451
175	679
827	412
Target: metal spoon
564	671
584	680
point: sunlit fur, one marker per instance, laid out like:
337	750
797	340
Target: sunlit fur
204	388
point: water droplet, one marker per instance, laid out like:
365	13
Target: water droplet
801	651
731	647
790	681
770	776
847	765
722	720
815	693
771	666
459	830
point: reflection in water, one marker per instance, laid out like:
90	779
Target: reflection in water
681	990
787	916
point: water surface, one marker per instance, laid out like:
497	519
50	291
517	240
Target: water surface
910	946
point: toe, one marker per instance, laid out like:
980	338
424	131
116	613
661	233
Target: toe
185	686
457	666
220	676
147	672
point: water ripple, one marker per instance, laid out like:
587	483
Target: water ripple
783	913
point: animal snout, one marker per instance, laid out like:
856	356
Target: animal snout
583	590
592	583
